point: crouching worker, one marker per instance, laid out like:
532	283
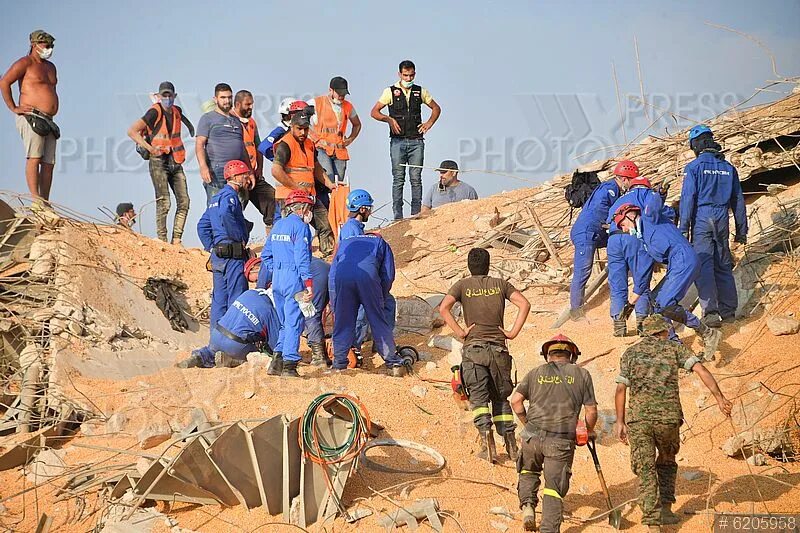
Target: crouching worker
654	416
486	363
555	392
362	273
249	325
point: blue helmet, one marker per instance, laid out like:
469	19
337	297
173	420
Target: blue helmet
357	199
698	130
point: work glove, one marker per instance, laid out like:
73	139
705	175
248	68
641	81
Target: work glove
741	239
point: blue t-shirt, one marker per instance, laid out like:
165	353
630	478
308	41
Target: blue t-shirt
225	141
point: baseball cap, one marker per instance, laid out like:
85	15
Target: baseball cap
124	208
300	119
166	86
41	36
447	164
339	85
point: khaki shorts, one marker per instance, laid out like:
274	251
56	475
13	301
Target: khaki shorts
36	146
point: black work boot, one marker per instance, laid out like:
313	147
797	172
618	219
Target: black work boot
223	360
712	320
276	365
488	449
290	370
667	516
511	445
193	361
620	328
318	355
640	326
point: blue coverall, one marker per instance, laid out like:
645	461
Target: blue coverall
266	146
710	188
362	273
252	318
587	235
223	222
664	243
320	270
287	255
352	228
626	254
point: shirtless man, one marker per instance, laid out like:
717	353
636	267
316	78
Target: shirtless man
37	80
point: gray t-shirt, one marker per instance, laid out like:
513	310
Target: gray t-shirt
225	141
455	193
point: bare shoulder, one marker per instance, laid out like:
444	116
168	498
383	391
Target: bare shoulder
18	68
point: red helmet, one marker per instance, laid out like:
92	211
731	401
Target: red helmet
251	267
623	210
297	105
299	196
626	169
235	168
561	342
641	180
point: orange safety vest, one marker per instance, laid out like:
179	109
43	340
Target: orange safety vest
249	136
328	133
169	141
300	166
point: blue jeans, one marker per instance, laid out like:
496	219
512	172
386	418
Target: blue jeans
410	152
335	169
217	183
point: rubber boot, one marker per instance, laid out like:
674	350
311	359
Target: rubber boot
318	355
620	328
711	338
510	440
290	370
488	449
667	516
640	326
529	518
223	360
276	365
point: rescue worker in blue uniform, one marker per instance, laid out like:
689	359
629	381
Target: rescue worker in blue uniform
665	244
362	273
250	325
224	232
627	255
588	234
710	188
287	255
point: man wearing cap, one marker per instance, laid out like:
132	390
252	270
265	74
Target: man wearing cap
406	131
449	189
219	139
224	232
126	215
158	133
653	418
296	167
38	104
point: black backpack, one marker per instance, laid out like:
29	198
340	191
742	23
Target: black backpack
582	186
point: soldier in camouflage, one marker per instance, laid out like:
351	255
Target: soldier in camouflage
650	369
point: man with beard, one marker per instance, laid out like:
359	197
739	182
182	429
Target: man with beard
449	189
219	140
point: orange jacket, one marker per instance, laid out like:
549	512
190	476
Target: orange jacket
328	133
249	136
168	141
300	166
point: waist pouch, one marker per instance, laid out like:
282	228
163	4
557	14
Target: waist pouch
230	250
42	125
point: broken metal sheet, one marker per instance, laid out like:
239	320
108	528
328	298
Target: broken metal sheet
335	408
20	453
291	466
316	500
231	453
122	486
419	510
193	466
268	443
16	240
158	484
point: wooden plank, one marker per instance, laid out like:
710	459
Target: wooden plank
591	288
544	236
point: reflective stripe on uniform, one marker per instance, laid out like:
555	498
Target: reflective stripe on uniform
503	418
523	471
480	411
551	492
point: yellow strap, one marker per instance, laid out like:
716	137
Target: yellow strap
479	411
503	418
551	492
523	471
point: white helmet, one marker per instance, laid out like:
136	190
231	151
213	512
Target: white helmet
283	109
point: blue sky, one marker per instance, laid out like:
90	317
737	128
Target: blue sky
524	86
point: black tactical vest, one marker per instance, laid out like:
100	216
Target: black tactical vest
407	113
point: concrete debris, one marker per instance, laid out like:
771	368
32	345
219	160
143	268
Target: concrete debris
692	475
757	460
248	394
430	366
783	325
770	441
500	526
445	342
734	445
415	315
116	423
48	464
154	434
410	515
501	511
357	514
419	391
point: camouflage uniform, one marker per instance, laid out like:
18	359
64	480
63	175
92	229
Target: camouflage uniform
649	369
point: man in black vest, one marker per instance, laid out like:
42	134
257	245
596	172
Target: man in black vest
406	131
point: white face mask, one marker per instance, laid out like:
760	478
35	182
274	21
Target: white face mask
45	53
308	217
636	231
